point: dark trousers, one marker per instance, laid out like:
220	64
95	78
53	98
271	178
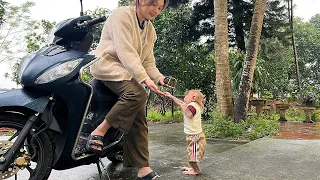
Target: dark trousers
129	116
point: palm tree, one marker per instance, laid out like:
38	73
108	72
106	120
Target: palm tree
223	82
250	63
295	55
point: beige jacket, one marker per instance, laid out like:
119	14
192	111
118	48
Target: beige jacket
122	56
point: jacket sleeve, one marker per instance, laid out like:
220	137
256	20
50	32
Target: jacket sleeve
150	65
121	33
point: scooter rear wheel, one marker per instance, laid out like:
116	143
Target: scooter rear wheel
34	161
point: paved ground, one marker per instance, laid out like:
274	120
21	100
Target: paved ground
266	159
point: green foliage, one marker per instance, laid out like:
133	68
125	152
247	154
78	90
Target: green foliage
10	133
222	128
240	16
252	128
309	95
316	115
86	76
98	12
176	3
124	2
315	20
308	40
260	127
2	11
236	63
279	65
155	117
39	36
295	114
267	95
188	62
17	22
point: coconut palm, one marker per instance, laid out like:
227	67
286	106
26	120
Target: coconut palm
250	63
223	82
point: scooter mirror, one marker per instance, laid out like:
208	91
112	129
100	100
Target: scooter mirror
81	10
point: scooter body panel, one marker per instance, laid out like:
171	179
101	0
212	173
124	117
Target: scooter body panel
25	97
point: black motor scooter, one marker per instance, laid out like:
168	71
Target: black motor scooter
44	125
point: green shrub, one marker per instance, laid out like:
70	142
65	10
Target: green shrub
252	128
154	116
295	114
316	115
260	127
223	128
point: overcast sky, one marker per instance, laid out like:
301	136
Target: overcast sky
58	10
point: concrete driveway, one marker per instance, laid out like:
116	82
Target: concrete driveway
265	159
167	152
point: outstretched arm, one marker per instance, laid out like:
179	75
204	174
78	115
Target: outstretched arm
176	100
183	106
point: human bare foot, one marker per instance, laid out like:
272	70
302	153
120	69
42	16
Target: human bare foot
185	169
191	172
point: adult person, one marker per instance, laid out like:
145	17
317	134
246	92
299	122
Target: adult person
126	64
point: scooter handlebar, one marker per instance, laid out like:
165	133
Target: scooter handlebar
91	22
96	21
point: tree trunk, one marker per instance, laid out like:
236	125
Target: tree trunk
241	104
295	55
237	14
223	82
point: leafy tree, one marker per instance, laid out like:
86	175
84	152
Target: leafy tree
35	39
17	23
177	3
170	41
39	36
241	11
124	2
2	11
315	20
260	76
308	40
189	62
98	12
279	67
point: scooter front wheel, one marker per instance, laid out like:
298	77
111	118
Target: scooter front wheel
34	159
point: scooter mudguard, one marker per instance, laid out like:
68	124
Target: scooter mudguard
32	99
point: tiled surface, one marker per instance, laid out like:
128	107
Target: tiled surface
298	130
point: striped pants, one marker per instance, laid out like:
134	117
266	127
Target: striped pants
196	146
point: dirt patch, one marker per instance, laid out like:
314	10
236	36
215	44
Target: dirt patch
298	130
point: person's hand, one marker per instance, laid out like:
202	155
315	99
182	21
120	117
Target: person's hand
162	83
167	94
153	87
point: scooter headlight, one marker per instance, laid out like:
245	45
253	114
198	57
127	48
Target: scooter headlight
58	71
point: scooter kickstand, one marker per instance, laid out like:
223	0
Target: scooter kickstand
103	166
99	168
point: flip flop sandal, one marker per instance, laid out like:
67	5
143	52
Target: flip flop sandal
149	176
94	140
